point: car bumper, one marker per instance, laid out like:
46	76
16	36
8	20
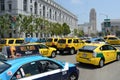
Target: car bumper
93	61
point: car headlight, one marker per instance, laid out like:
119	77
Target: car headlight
94	54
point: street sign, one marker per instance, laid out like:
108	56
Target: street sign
106	20
107	23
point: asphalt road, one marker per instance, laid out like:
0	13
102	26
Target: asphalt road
110	71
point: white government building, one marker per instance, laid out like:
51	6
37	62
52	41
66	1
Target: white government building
47	9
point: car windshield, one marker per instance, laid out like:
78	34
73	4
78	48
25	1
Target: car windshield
2	41
3	66
89	47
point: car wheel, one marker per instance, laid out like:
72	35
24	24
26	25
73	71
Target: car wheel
53	54
118	57
73	76
72	51
61	52
101	63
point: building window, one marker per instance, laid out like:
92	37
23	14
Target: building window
9	7
2	5
36	34
35	4
50	14
31	10
44	11
25	5
40	12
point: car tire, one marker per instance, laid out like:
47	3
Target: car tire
118	58
53	55
101	63
72	51
61	52
73	76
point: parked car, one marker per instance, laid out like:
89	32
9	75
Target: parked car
45	50
52	42
29	49
69	45
96	40
19	51
97	54
37	68
10	42
113	40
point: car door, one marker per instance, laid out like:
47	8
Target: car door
30	71
113	40
51	69
113	53
80	43
76	44
43	49
39	70
108	54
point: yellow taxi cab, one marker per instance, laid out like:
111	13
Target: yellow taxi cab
113	40
97	54
70	45
10	42
45	50
52	42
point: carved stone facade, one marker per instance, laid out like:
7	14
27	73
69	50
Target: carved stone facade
47	9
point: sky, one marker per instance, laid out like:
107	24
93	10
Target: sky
81	8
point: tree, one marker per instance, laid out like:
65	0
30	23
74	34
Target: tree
38	23
78	33
75	32
5	23
66	29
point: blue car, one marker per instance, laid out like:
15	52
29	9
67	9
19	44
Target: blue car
96	40
37	68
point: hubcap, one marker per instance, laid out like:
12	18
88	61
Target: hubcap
72	51
118	57
73	77
53	54
101	63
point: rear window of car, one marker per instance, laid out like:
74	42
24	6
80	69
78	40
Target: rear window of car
3	66
2	41
89	48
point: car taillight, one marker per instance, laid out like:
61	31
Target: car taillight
66	45
52	43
